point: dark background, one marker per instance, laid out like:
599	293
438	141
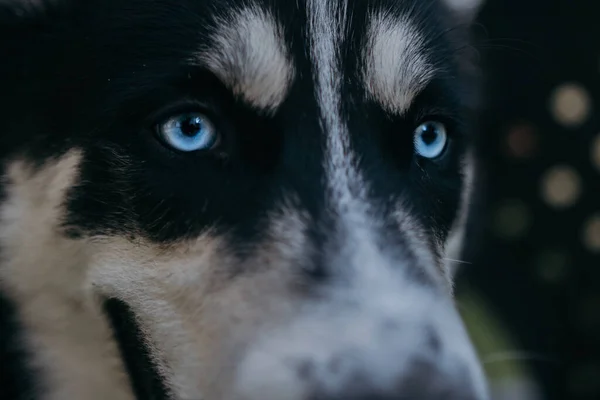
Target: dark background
535	260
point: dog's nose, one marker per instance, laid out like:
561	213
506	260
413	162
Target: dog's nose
373	346
425	381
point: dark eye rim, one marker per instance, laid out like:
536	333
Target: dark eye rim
450	126
188	107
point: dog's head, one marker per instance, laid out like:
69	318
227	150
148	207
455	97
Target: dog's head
226	199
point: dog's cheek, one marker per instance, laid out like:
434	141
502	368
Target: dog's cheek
166	288
43	272
198	304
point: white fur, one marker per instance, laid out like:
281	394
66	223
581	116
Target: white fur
248	53
396	68
347	188
45	274
373	321
373	331
327	28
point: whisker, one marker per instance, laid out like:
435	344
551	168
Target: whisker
458	261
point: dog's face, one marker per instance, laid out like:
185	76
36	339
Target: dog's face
224	199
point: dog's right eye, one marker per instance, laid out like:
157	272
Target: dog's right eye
189	132
430	139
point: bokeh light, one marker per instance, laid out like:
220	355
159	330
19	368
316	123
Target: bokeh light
570	104
591	234
596	152
561	186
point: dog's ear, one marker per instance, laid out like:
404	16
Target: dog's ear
465	10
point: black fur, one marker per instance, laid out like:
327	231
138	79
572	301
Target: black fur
145	380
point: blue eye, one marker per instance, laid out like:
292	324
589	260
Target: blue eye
430	139
189	132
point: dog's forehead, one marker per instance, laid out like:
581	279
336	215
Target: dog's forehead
254	55
260	48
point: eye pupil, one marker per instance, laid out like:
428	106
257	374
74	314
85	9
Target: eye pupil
429	134
190	126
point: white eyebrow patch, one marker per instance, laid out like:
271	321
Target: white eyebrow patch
395	68
248	53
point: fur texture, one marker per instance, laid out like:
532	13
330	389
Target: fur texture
300	258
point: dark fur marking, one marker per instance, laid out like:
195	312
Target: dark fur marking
146	382
17	378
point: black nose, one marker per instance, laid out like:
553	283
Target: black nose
425	381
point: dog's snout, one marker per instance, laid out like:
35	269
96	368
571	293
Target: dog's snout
383	337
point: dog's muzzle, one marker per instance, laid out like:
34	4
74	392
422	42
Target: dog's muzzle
418	351
372	332
357	357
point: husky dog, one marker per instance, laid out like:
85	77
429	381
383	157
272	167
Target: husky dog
233	199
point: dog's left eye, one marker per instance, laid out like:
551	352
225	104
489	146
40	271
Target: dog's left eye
189	132
430	139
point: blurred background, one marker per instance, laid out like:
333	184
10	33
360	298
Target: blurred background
529	288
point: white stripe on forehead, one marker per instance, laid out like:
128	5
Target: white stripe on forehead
396	69
347	188
249	54
327	29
